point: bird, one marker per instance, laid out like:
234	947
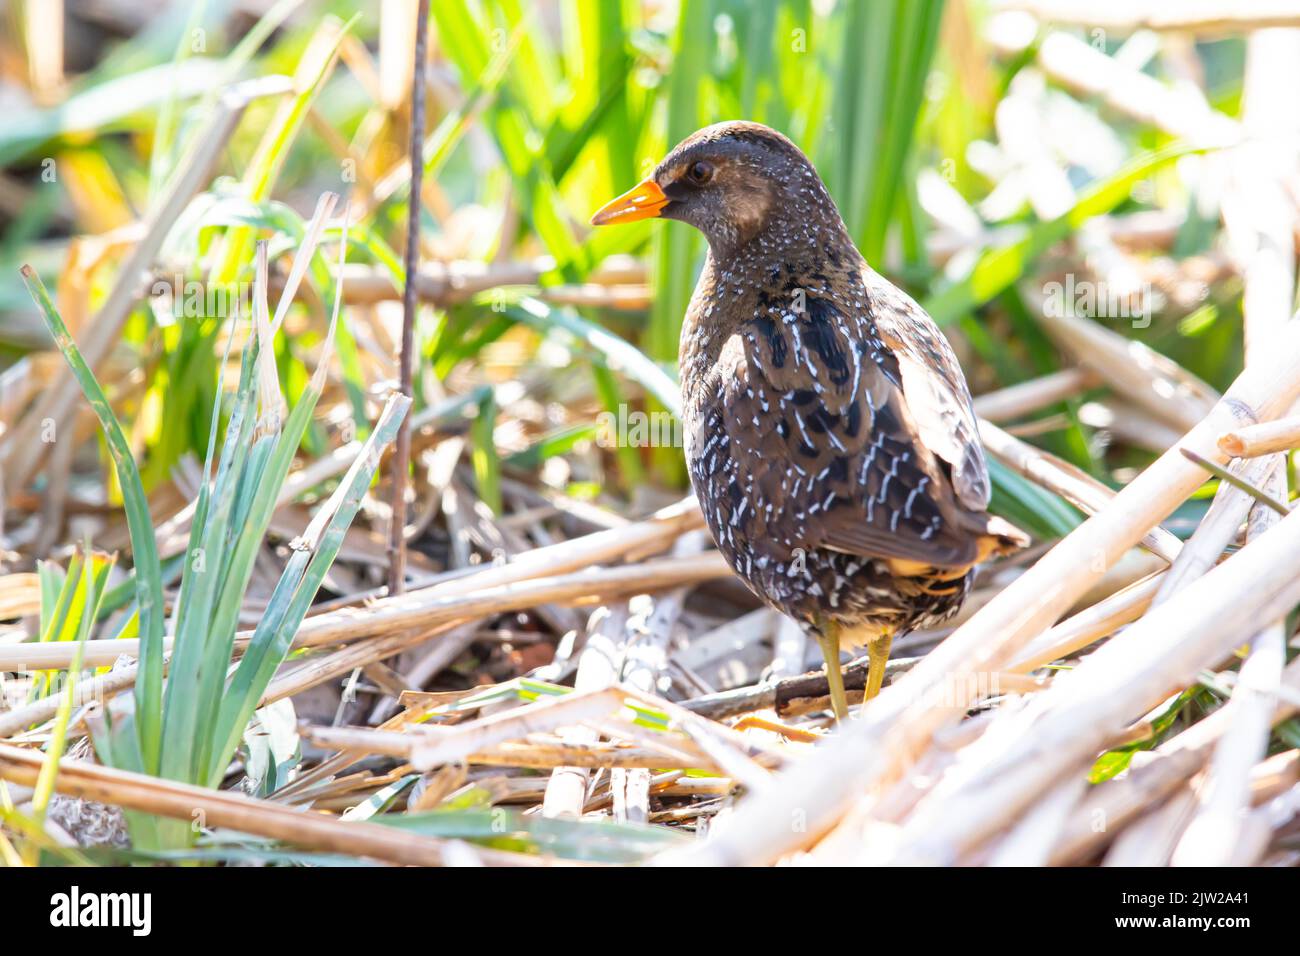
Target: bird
828	428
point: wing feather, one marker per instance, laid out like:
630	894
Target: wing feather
844	437
935	389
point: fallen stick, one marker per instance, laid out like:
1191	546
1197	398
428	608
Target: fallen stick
221	808
792	696
549	754
421	610
1025	398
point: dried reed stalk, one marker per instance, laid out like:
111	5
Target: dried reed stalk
448	283
39	711
20	595
598	667
1132	369
1188	16
400	466
1017	401
1090	73
1089	625
535	577
1067	725
220	808
1261	231
1129	425
1216	531
1259	828
1169	766
319	669
646	643
424	610
1262	439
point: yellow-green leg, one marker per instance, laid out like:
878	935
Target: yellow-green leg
828	636
877	658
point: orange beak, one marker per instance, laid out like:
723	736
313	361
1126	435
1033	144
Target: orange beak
643	201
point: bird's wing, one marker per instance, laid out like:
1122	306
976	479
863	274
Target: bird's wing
934	388
815	407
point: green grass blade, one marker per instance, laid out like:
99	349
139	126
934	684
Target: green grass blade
144	549
59	732
274	148
617	354
1029	506
312	557
611	396
487	465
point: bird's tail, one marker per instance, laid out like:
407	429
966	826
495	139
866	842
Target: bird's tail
1000	538
997	538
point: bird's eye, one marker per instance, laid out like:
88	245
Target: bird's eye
700	173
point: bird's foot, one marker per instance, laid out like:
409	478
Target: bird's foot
828	636
877	657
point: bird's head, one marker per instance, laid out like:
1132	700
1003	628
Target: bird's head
731	181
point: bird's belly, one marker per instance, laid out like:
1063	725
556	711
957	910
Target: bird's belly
762	544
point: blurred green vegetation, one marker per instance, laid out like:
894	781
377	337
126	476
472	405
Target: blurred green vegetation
538	113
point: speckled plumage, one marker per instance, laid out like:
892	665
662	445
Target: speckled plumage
829	430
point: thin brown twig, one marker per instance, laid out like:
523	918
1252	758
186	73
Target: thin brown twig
401	464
